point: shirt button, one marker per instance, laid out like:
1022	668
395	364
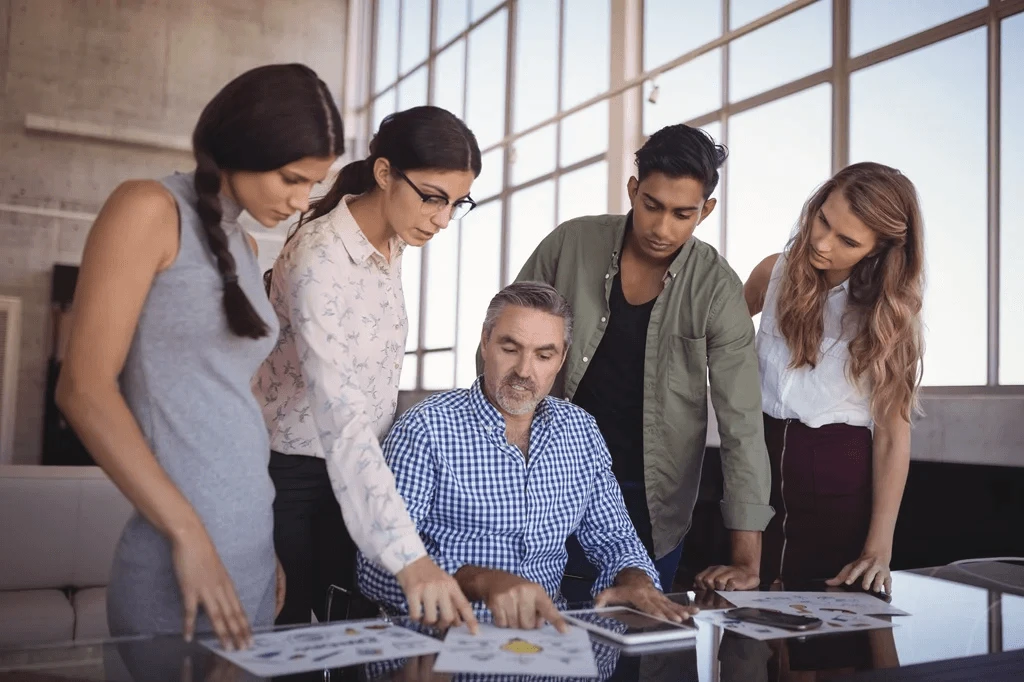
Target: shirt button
604	319
585	358
606	275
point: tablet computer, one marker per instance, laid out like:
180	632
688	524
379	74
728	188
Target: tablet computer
629	626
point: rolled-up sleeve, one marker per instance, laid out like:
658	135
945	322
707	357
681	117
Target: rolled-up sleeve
374	512
736	396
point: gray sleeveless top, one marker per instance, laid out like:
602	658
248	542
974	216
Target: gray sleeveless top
187	382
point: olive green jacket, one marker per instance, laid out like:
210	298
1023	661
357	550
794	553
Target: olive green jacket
699	329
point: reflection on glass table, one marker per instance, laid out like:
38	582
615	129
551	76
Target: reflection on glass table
956	611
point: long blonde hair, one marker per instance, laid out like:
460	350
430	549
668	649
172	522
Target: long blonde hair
885	288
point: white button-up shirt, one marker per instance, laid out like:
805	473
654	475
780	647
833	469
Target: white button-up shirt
819	396
329	388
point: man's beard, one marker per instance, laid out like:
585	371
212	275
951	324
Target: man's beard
513	400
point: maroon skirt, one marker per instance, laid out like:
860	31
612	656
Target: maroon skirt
821	492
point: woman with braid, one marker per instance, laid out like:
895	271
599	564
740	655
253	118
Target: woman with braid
171	323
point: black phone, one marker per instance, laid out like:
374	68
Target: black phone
775	619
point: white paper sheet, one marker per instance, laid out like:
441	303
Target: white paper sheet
286	652
819	604
496	650
840	622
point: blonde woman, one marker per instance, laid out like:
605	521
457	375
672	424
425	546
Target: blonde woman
840	354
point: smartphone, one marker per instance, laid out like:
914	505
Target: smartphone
775	619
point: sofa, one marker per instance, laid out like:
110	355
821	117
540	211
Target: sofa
59	527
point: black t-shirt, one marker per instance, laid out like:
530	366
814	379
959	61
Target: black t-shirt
612	388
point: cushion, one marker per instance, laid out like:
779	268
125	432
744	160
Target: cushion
102	513
35	617
37	529
90	607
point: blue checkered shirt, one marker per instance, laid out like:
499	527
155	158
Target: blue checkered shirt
475	500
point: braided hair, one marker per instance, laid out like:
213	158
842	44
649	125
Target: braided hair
264	119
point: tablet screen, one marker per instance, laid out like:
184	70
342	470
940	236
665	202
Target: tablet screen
628	622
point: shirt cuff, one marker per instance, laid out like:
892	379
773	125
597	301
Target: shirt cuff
744	516
608	575
401	553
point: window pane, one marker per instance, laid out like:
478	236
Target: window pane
534	155
532	217
412	262
585	134
1013	620
536	92
672	28
492	172
412	90
1011	212
450	79
583	192
485	87
382	106
742	12
757	64
387	44
779	153
407	382
586	54
710	231
415	33
482	7
874	23
479	258
442	254
899	110
452	19
439	370
685	92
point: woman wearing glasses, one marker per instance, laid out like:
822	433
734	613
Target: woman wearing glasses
329	389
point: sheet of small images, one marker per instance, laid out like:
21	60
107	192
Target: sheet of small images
543	651
839	612
286	652
818	604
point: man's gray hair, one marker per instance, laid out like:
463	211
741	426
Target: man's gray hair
532	295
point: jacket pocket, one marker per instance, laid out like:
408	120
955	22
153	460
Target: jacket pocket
688	368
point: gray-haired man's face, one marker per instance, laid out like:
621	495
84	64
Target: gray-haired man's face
522	357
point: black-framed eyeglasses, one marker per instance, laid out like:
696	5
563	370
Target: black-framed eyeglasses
435	203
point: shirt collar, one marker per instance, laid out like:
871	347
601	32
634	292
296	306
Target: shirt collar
844	287
624	226
492	420
358	246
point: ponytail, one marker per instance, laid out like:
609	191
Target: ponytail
242	317
354	178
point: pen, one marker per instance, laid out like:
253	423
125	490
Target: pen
325	656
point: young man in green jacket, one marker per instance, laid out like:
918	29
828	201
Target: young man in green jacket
658	313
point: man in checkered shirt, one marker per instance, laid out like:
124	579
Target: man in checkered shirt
497	476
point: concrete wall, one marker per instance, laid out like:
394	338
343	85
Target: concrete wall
149	65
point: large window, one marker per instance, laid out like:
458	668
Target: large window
796	89
552	169
900	116
1011	214
770	177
